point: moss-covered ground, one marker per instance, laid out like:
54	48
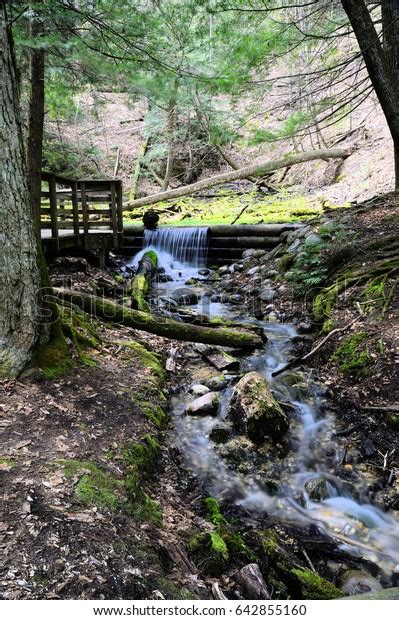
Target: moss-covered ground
284	206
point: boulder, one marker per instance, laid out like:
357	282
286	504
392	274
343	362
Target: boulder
224	270
216	383
313	239
358	582
198	389
267	294
317	489
253	270
204	272
248	253
255	411
185	296
208	404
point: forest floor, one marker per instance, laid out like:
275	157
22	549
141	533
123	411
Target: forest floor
96	501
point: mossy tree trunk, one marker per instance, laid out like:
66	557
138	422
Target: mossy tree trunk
23	273
105	309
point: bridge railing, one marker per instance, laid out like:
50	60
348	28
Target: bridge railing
81	207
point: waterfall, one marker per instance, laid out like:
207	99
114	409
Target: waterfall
188	246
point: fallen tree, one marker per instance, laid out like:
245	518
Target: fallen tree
259	169
110	311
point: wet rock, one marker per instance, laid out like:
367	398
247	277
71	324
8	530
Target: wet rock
259	253
220	433
236	267
191	282
358	582
317	489
208	404
255	411
185	297
204	272
163	277
282	289
169	304
219	359
253	270
248	253
305	328
198	389
216	384
267	294
224	270
215	299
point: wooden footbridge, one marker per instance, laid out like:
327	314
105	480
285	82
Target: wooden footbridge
81	214
86	214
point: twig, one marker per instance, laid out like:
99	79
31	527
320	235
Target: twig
299	360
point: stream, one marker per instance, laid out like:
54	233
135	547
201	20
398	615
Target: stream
303	481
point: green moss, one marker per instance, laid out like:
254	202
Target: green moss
95	486
393	421
147	358
213	513
236	546
285	262
210	552
315	587
351	357
141	459
54	359
6	461
172	592
156	415
269	544
328	326
153	257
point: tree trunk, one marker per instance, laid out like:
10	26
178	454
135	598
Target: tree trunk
36	119
382	62
242	173
161	326
171	138
21	279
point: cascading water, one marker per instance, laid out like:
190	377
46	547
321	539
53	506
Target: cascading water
188	246
343	511
181	251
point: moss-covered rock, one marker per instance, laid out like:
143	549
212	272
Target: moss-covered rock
313	586
209	552
213	513
255	411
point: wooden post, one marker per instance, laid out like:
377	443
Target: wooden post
119	211
52	186
75	208
114	217
85	215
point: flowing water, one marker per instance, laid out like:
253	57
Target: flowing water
314	453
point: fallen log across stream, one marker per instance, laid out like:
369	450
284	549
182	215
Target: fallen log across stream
161	326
